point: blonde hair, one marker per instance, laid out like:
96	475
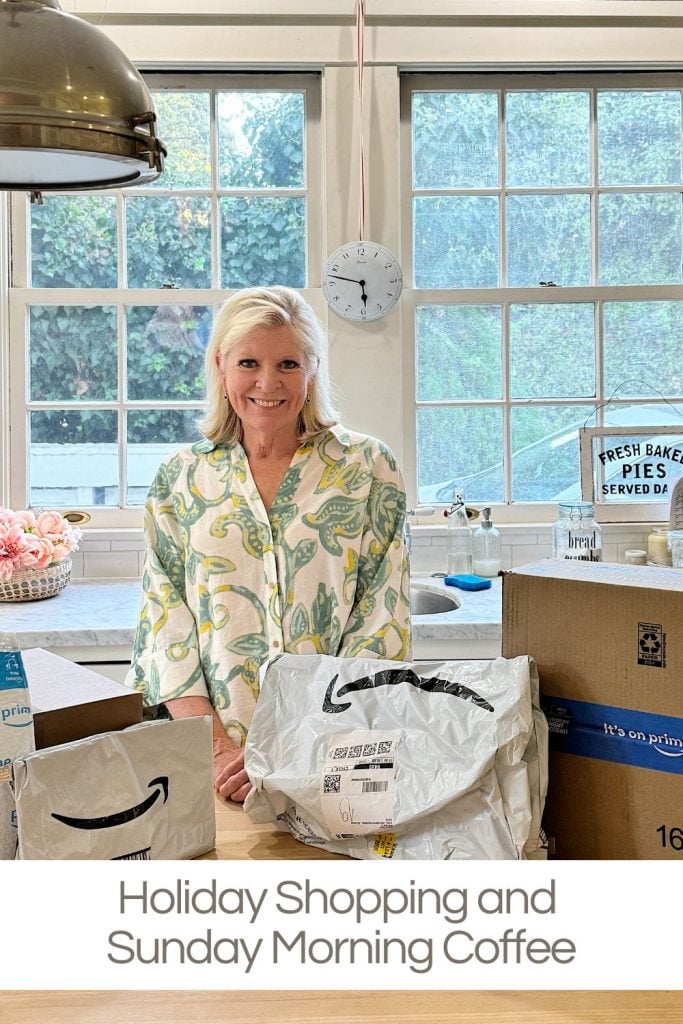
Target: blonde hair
266	307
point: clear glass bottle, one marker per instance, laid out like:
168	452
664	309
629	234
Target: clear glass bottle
487	547
576	535
658	551
459	541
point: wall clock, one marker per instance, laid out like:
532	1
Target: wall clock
362	281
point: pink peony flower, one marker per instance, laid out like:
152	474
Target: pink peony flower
26	520
50	523
43	552
17	550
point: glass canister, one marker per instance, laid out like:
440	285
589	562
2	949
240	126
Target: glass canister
658	552
576	535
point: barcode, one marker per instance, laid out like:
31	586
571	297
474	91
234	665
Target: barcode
374	787
137	855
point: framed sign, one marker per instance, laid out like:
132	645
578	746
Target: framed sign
629	473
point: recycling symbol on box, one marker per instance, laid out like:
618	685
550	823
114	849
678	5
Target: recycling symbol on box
649	643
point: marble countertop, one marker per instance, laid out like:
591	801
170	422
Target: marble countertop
102	614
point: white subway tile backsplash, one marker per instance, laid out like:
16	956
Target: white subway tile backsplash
99	564
137	544
95	544
524	553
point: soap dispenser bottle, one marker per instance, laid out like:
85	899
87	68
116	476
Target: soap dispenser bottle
459	541
487	547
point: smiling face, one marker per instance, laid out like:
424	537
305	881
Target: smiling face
267	380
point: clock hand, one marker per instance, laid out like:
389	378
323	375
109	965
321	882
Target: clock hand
353	280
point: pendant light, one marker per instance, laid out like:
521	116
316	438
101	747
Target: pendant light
74	112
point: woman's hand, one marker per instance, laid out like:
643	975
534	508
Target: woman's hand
230	780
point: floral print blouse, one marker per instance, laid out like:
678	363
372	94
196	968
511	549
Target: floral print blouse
227	585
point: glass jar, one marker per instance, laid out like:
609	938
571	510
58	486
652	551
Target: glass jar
658	552
576	535
676	548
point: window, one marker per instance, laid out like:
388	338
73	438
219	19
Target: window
113	292
545	227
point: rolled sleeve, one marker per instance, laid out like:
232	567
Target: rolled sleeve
379	622
166	658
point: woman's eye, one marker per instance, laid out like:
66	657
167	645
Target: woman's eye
289	364
248	364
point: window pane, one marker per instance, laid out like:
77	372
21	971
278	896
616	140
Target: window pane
458	352
152	435
184	126
545	451
169	241
261	139
263	242
552	350
73	458
548	240
460	448
639	138
456	242
72	353
166	346
547	138
73	242
455	140
642	348
640	239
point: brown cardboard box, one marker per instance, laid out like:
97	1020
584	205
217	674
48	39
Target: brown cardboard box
608	641
71	702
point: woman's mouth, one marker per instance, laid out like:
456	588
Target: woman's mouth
264	403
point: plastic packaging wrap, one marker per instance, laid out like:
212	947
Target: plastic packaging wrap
386	759
144	793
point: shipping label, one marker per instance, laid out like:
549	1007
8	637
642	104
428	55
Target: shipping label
357	785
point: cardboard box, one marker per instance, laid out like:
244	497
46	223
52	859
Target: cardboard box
16	739
144	793
71	702
608	641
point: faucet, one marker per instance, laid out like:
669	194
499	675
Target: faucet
419	510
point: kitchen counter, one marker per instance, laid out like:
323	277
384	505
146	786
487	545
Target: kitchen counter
94	620
338	1007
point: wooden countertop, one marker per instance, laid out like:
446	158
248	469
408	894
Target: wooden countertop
238	839
237	1007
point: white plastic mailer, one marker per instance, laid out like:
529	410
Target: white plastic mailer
144	793
385	759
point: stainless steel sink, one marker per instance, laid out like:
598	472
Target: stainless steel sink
429	600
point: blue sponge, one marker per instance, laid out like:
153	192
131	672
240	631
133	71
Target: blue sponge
467	582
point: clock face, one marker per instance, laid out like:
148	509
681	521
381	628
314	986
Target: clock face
362	281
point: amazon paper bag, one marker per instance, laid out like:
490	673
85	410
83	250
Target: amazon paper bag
16	739
144	793
387	759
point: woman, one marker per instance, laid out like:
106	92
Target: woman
280	531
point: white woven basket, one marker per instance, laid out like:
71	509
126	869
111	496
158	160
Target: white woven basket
34	584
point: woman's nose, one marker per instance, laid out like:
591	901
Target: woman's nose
269	378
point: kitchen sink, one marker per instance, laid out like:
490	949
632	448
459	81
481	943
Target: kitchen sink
428	600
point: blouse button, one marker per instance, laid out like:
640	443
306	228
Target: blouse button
276	643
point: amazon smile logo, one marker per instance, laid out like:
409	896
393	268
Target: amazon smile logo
395	677
120	817
16	716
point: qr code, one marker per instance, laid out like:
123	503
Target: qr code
340	752
356	751
331	783
369	748
384	747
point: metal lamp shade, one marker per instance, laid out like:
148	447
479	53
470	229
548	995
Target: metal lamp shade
74	112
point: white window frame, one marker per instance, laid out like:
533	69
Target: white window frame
21	297
519	512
